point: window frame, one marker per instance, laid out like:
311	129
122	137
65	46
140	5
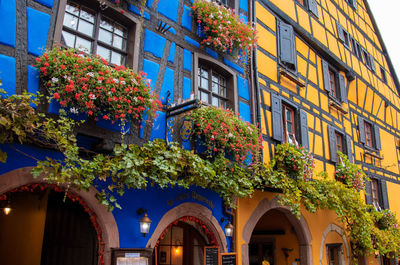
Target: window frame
224	70
346	144
211	73
369	136
127	20
375	193
339	144
294	133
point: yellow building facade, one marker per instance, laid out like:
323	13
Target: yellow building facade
325	79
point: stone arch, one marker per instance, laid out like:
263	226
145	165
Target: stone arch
300	226
333	228
22	176
190	209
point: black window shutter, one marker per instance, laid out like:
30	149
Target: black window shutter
286	40
332	143
368	196
340	32
348	148
373	66
343	90
377	135
361	129
277	126
325	71
304	129
313	7
384	194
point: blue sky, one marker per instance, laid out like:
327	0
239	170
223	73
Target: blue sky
387	16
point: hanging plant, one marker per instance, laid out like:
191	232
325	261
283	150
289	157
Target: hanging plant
223	29
296	161
223	131
88	84
350	174
385	219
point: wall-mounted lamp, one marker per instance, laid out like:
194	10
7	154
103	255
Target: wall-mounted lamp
7	208
144	221
229	229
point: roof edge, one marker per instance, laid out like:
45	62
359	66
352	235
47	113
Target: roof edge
384	50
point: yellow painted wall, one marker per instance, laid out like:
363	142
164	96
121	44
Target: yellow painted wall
366	95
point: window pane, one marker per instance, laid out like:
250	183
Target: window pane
105	36
215	88
215	79
215	101
222	103
87	15
204	96
70	21
83	45
120	30
105	24
68	39
119	42
103	52
289	127
204	83
117	58
204	73
71	8
86	27
288	115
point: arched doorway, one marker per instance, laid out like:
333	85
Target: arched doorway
105	219
274	234
47	227
183	242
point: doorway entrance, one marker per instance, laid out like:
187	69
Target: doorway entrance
45	227
183	242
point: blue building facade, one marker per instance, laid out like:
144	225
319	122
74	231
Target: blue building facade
160	38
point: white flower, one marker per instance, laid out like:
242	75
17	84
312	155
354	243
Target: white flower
99	81
230	135
116	80
90	74
74	110
92	96
54	80
123	83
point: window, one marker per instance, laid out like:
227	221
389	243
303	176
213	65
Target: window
352	3
383	75
366	58
334	83
369	134
88	29
376	193
354	47
311	4
334	254
338	141
343	35
287	50
288	122
212	87
227	3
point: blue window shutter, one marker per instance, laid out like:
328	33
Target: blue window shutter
384	194
286	41
327	78
277	125
313	7
342	87
368	191
304	129
361	129
332	143
340	32
349	149
377	137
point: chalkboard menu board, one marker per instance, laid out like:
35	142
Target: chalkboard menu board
211	255
228	259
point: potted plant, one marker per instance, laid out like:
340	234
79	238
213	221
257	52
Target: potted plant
89	84
223	131
349	174
223	30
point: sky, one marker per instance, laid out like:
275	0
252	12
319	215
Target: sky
387	16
